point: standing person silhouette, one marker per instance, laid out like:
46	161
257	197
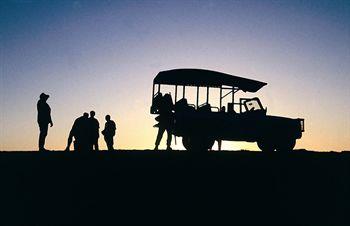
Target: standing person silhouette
44	119
165	119
94	132
109	132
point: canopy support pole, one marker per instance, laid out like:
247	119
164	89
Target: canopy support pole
207	94
183	92
233	99
175	94
226	94
153	92
233	95
220	97
240	106
158	88
197	96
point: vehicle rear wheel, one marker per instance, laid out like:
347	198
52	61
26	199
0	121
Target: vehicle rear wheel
197	143
286	145
266	146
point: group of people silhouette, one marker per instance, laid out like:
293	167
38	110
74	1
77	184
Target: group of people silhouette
85	129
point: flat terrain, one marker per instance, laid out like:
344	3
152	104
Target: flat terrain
298	188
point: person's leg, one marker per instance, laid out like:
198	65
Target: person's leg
168	141
77	146
42	136
96	144
90	144
85	144
93	145
108	143
69	142
111	143
159	137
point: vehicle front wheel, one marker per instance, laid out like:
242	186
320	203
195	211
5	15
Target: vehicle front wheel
266	146
286	145
197	143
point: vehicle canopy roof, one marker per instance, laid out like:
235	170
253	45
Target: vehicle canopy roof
206	78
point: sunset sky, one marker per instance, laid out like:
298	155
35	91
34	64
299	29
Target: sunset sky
103	56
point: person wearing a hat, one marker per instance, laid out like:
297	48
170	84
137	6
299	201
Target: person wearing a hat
44	119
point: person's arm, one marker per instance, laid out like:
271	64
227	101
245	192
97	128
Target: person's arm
50	119
71	134
39	111
69	141
104	130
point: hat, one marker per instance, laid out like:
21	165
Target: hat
44	96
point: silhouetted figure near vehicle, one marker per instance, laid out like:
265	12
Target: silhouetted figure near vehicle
44	119
94	131
109	132
165	119
80	133
223	110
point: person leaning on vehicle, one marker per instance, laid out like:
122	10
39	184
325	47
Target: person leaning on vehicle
165	119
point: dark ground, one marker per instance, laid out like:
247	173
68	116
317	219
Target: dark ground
298	188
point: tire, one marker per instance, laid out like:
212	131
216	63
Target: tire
197	143
266	146
286	145
186	143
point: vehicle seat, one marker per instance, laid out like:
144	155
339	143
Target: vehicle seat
182	105
204	108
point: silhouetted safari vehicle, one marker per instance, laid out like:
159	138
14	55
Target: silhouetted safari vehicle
200	125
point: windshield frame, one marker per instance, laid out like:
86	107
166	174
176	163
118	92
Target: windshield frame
246	101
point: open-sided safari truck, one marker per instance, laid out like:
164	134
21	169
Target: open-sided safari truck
200	125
